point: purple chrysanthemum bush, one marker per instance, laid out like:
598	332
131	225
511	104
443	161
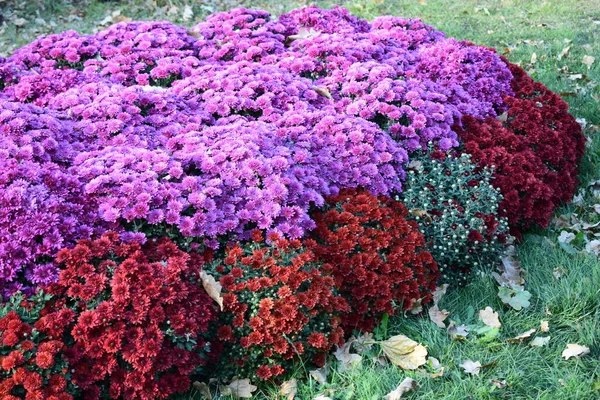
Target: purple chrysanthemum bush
248	122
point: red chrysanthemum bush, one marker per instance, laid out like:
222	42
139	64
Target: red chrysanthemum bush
535	151
377	257
32	358
278	308
131	319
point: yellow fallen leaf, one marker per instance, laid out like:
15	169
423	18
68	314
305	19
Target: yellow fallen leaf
545	326
563	53
289	388
533	58
212	287
522	336
406	385
404	352
575	350
489	317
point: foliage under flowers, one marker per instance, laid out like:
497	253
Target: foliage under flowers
456	208
535	150
377	257
278	308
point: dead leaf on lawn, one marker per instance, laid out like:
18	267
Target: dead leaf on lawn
438	316
459	332
564	53
498	384
588	61
417	307
575	350
559	272
20	22
320	374
322	397
439	292
406	385
404	352
540	341
212	287
471	367
203	389
187	14
347	360
533	58
289	389
241	388
523	336
435	365
545	326
490	317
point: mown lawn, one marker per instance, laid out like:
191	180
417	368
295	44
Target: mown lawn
571	304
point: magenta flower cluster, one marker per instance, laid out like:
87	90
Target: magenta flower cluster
244	121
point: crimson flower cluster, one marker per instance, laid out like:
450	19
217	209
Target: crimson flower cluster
278	308
124	320
376	256
32	351
534	150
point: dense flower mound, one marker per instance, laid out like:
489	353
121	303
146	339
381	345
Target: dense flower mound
123	319
456	207
244	121
535	150
324	169
278	308
376	256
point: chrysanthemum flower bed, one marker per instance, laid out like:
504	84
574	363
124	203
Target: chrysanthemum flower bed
238	197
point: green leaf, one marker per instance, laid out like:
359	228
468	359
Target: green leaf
517	298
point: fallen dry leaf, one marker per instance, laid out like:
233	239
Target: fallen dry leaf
188	13
417	307
320	374
404	352
545	326
289	388
364	342
241	388
457	332
406	385
203	389
347	360
564	53
439	292
559	272
438	316
588	61
19	22
540	341
323	91
435	365
490	317
471	367
511	271
212	287
322	397
575	350
533	58
523	336
498	384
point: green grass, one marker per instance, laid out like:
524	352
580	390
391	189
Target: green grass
571	304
